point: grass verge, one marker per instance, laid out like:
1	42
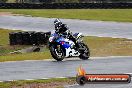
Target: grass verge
47	83
99	46
85	14
5	48
106	46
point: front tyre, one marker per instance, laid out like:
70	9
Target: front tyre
57	52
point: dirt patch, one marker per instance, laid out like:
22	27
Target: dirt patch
5	13
46	85
8	14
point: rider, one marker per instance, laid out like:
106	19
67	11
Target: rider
62	29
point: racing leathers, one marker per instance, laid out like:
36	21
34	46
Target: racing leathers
63	30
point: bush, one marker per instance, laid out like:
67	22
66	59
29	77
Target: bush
3	1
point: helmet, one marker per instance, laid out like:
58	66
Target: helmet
57	22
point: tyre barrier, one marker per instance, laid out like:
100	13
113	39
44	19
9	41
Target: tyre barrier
29	38
102	5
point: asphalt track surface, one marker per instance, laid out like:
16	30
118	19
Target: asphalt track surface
50	69
102	86
22	70
91	28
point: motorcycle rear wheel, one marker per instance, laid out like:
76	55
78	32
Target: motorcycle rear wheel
86	53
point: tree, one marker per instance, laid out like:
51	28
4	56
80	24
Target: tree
3	1
46	1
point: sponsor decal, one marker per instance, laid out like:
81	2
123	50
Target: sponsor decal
83	78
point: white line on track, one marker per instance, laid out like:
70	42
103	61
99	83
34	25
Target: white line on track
34	79
107	57
48	78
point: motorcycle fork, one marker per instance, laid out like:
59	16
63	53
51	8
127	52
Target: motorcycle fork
58	47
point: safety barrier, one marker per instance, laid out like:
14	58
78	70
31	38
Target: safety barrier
65	6
29	38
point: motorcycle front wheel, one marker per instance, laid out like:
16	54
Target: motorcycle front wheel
57	52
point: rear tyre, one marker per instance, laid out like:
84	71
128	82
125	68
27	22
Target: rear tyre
57	53
85	54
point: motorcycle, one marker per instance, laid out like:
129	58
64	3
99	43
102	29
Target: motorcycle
61	47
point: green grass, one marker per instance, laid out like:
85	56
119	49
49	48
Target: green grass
27	56
54	83
106	46
99	46
11	1
119	15
4	42
4	36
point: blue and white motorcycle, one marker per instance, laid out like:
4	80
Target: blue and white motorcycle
61	47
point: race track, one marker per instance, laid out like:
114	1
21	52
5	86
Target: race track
102	86
50	69
91	28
